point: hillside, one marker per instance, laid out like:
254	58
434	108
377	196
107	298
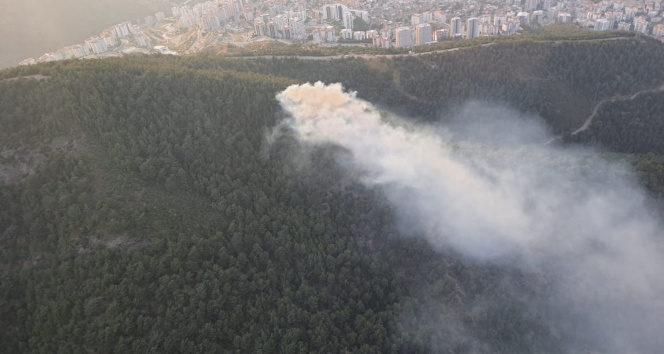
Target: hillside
143	209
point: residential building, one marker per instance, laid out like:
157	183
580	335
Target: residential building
210	22
359	35
403	37
472	28
524	17
423	34
286	32
143	41
602	25
415	19
259	27
348	20
176	11
564	17
455	27
122	30
624	26
440	16
329	34
641	24
440	34
95	45
248	13
531	5
272	29
658	30
364	15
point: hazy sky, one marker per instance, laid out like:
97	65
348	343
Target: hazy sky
30	28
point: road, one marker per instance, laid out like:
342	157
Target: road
592	116
361	56
371	56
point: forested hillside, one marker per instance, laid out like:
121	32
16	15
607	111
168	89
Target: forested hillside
557	80
142	210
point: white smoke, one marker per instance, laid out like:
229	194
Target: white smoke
479	190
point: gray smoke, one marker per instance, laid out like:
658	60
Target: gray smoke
486	187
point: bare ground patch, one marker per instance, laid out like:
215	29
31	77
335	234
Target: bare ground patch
38	77
16	164
113	241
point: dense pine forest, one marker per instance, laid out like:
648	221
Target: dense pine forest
142	209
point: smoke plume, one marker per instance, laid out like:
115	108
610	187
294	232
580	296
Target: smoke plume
486	187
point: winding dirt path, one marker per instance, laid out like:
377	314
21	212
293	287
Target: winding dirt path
38	77
592	116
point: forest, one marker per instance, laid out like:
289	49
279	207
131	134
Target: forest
142	210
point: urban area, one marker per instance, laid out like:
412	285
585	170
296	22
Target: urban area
380	23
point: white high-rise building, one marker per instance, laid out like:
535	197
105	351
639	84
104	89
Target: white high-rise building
271	29
658	31
329	34
248	13
346	33
96	45
109	38
640	24
427	16
404	37
315	34
286	32
176	11
440	16
472	28
364	15
281	20
564	17
348	20
186	21
624	26
259	27
339	11
210	22
297	28
415	19
143	41
455	27
510	27
601	25
538	16
122	30
423	34
377	41
76	51
328	12
440	34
